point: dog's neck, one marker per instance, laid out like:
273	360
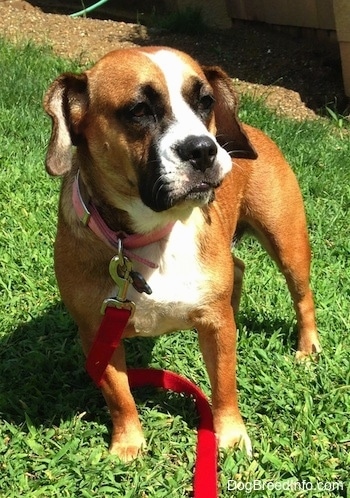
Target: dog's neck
116	219
94	217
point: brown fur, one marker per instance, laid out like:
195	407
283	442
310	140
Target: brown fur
261	193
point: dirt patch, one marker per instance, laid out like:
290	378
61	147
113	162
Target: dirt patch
297	77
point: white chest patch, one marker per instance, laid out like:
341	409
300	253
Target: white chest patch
178	285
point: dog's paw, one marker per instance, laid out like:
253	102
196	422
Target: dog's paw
235	436
127	448
307	355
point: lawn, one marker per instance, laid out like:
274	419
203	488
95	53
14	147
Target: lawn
54	427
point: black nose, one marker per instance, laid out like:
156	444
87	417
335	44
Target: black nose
200	151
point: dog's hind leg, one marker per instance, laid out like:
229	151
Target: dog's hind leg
293	259
283	233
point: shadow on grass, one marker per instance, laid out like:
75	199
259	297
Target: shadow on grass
42	375
267	325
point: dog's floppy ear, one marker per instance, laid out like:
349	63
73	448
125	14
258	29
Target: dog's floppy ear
66	102
230	133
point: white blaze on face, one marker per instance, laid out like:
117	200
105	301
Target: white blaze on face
185	121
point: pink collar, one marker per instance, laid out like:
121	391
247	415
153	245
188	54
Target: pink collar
90	217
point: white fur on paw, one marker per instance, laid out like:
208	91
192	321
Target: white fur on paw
303	357
128	451
235	437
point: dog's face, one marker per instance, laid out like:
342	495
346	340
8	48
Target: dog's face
152	128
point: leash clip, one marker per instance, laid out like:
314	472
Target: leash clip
120	268
120	305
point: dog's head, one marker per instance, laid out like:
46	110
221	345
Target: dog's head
151	127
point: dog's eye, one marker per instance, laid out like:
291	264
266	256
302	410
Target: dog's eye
205	106
206	102
140	111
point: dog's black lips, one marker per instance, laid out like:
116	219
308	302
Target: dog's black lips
156	191
202	193
201	187
160	196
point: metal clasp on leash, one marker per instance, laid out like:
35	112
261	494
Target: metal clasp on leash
120	269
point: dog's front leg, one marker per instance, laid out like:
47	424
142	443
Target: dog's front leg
127	437
218	345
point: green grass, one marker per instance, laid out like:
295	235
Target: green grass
54	427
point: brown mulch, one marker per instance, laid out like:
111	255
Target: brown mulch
297	77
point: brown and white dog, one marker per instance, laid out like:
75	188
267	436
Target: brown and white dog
154	134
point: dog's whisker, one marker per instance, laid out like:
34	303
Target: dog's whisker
229	147
237	166
158	183
157	188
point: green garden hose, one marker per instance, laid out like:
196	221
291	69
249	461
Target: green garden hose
89	9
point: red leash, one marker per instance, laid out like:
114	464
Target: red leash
205	478
107	339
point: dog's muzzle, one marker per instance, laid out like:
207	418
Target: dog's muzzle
189	171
